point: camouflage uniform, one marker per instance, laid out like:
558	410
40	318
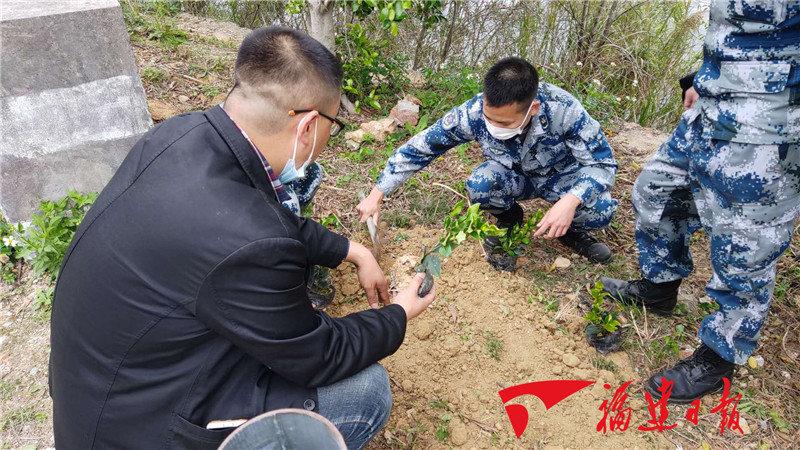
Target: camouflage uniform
562	151
302	190
732	166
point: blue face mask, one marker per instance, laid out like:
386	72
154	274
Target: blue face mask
290	172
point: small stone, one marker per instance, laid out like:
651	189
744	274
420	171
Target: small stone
570	360
356	136
785	374
561	263
458	433
183	98
744	425
405	112
423	330
408	385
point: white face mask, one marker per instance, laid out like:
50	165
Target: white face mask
506	133
290	172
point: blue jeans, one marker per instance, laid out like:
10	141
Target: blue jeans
359	405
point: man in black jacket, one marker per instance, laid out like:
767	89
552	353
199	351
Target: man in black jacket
182	299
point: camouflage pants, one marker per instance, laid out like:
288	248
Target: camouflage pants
745	197
496	188
302	190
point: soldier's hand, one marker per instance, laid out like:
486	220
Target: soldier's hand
558	218
690	97
371	206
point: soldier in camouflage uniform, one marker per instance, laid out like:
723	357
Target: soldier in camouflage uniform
732	166
538	142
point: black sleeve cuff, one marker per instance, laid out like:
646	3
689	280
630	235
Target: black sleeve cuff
335	251
397	315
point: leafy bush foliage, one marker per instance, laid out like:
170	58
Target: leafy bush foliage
150	21
458	227
51	230
447	88
518	236
371	76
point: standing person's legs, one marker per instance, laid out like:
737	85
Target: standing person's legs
752	195
359	405
666	217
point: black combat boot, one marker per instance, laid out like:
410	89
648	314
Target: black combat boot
584	244
320	288
497	258
693	377
658	298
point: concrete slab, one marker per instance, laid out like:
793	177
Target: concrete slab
71	101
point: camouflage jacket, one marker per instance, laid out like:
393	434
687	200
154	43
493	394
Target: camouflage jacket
749	83
563	138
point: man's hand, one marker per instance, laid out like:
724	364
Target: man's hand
371	206
370	275
408	299
556	222
690	97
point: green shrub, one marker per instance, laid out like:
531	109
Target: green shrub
371	77
9	250
151	21
47	238
446	88
602	319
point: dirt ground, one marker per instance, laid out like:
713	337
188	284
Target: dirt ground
486	331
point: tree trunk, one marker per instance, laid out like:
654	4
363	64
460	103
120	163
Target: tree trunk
321	23
420	39
449	40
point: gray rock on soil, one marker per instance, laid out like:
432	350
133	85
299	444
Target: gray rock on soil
72	101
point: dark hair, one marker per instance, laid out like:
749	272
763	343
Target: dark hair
510	80
280	55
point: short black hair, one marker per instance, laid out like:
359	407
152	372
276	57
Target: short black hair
510	80
281	56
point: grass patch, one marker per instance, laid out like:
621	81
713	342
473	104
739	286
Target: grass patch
22	415
153	75
494	346
605	364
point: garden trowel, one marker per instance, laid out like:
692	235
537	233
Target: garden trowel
374	233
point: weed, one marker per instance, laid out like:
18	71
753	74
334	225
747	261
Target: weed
43	302
374	173
331	221
400	237
153	75
397	219
210	91
51	230
443	428
663	350
494	346
344	180
762	412
150	21
605	364
20	416
461	151
439	404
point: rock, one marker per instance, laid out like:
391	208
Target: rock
458	433
744	425
423	330
160	110
183	98
407	385
379	129
561	263
416	78
356	136
755	362
405	112
68	128
570	360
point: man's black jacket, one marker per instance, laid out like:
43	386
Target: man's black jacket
182	299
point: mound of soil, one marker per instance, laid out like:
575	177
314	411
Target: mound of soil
445	377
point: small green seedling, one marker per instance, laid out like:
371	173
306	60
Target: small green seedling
458	227
603	321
